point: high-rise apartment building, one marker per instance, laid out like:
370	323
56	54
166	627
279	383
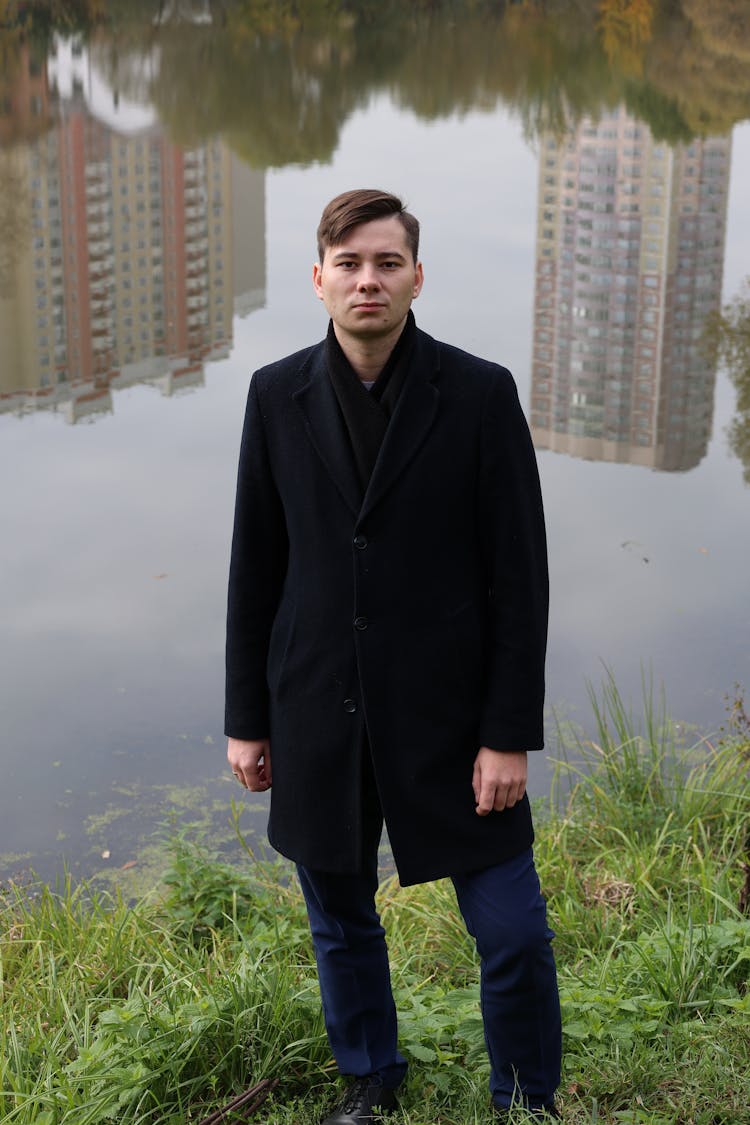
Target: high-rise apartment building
629	258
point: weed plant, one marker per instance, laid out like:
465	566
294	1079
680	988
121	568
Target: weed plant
159	1012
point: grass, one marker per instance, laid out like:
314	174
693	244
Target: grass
159	1012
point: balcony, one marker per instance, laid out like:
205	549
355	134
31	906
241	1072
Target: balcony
196	233
97	190
98	247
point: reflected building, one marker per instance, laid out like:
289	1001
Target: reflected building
26	108
629	259
126	269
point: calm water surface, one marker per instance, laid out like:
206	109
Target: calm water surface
161	188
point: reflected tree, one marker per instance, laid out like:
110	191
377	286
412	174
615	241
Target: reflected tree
729	333
723	26
11	39
42	19
626	26
279	78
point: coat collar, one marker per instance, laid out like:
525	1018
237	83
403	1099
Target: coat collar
411	422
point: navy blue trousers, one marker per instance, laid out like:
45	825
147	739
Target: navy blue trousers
505	913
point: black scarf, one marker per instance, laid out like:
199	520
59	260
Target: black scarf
366	413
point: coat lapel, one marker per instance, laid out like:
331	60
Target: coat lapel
411	422
325	428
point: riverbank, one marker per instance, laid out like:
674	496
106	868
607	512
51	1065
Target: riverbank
162	1010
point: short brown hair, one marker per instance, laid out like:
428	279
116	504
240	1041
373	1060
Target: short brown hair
362	205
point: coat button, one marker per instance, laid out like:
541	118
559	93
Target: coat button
350	706
360	542
360	623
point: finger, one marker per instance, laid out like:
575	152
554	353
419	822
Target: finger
258	781
512	795
476	782
487	798
504	799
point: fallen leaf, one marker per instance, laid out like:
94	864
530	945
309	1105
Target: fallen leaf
129	864
106	853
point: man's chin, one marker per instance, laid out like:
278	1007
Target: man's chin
364	329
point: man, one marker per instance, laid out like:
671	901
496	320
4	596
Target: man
385	651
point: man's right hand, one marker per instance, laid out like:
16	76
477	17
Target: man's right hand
251	763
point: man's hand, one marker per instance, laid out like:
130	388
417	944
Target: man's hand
251	763
499	779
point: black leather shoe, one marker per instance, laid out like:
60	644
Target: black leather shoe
365	1100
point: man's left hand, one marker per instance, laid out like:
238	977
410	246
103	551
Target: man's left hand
499	779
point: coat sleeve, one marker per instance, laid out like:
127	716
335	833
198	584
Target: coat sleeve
515	555
256	576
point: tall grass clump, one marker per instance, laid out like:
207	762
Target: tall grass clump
644	819
159	1011
646	861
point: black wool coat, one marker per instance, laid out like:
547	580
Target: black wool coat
414	619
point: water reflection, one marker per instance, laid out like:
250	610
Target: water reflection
281	80
124	256
115	536
630	251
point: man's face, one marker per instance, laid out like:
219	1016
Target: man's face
368	281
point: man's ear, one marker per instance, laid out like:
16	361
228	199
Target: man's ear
317	270
419	279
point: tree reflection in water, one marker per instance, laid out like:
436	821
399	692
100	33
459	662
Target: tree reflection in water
279	80
729	332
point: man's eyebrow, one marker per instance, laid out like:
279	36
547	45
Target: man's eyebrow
378	254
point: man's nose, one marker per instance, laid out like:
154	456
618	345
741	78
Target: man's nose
368	277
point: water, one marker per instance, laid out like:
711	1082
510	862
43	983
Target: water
161	189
